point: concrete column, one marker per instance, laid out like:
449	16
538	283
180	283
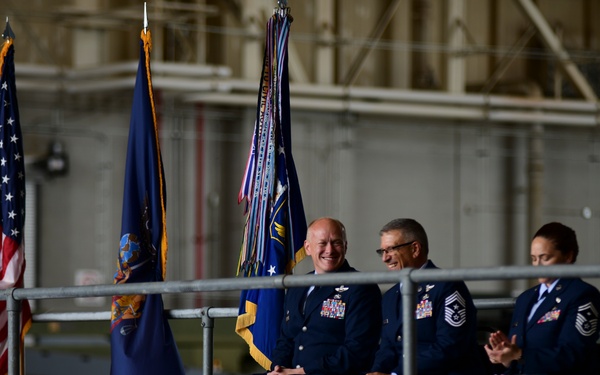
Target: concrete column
252	48
535	203
325	50
455	62
87	43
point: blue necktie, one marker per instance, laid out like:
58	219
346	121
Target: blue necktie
537	304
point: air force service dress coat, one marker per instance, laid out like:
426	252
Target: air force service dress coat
561	336
335	333
446	331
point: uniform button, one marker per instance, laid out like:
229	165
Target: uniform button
298	366
304	329
301	347
399	338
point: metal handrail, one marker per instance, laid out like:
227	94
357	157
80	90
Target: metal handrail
409	278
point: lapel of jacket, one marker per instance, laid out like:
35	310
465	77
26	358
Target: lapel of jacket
519	323
425	289
297	298
395	319
316	298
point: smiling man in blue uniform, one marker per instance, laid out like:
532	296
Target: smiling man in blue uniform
554	328
445	313
331	330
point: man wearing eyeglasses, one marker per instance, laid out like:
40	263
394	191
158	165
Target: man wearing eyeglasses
445	313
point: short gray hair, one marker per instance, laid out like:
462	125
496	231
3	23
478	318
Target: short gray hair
410	228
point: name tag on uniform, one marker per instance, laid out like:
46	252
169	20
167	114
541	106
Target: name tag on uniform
424	309
549	316
333	308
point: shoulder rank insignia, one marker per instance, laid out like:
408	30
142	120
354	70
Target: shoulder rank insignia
455	312
587	319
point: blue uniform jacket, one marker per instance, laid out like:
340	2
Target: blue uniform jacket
446	331
561	336
338	332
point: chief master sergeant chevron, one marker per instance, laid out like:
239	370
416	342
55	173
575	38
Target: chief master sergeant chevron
331	330
445	313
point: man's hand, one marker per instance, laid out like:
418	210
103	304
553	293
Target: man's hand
280	370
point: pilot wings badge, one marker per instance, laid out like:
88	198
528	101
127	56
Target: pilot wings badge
341	289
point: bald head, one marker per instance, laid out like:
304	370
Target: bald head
326	244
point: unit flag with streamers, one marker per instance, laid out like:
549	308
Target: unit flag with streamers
273	238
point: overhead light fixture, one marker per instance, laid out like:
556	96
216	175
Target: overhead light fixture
57	162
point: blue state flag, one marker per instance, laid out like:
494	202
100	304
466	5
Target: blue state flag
141	339
275	225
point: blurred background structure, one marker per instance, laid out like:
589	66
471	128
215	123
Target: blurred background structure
478	118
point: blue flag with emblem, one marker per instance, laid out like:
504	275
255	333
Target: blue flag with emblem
141	339
275	226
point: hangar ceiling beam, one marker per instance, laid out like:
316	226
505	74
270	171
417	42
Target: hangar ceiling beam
364	52
554	44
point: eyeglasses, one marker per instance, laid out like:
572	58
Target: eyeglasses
380	252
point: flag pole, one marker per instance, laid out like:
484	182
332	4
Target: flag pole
145	19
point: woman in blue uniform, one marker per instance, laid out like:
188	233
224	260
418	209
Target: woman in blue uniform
554	327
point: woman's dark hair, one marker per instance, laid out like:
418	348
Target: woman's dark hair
563	238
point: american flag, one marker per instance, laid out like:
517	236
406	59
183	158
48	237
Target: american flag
12	197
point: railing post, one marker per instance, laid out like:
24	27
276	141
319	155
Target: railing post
409	326
208	324
13	307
